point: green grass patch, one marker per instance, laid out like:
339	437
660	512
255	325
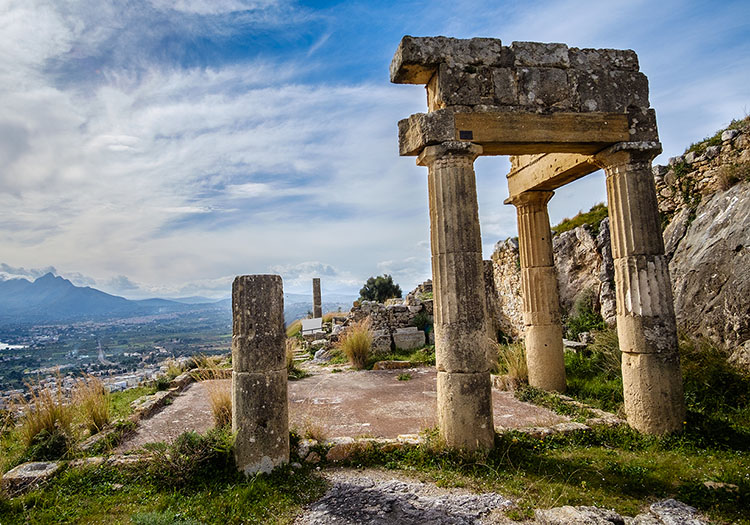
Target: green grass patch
591	219
422	356
540	397
120	401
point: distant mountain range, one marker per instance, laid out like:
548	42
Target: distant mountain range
53	299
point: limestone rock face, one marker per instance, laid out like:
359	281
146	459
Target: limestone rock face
710	268
578	264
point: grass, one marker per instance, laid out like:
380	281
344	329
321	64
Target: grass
219	393
209	491
293	372
92	400
591	219
294	328
404	377
512	363
419	356
356	343
715	140
584	315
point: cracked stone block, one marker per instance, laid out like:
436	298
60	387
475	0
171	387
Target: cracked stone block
545	86
28	476
408	338
539	54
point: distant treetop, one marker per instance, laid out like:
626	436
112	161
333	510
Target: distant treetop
380	289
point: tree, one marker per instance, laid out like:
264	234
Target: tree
380	289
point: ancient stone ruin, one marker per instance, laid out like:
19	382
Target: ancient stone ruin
560	113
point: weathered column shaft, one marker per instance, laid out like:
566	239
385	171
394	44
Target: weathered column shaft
541	299
463	386
646	327
259	377
317	302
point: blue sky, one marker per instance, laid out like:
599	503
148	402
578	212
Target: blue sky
156	147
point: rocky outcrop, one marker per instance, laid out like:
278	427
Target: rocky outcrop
710	269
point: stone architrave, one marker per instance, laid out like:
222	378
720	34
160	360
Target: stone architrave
646	326
317	302
463	384
541	301
260	417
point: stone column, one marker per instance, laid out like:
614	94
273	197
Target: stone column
541	299
317	303
646	328
463	381
259	378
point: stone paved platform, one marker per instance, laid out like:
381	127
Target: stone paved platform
348	403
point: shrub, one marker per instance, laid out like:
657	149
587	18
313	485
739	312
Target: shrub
584	316
380	289
356	343
193	458
174	369
46	427
92	400
592	219
162	382
512	363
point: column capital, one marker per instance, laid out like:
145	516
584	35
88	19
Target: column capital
451	148
536	198
626	153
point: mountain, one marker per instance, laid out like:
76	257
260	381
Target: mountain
51	298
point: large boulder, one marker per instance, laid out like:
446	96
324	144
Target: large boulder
710	269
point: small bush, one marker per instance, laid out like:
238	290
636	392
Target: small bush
193	458
162	383
356	343
46	427
404	377
512	362
174	369
92	400
584	316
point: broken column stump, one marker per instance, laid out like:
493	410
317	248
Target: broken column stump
260	417
317	301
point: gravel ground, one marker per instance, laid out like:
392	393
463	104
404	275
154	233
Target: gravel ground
373	497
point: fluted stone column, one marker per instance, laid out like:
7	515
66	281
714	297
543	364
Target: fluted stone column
317	302
646	327
463	382
259	378
541	298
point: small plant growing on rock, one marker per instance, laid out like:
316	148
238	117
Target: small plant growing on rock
92	399
219	393
356	343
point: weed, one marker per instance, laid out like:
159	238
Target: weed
423	356
92	400
537	396
174	369
356	343
731	174
121	431
512	362
191	457
593	375
404	377
162	383
422	320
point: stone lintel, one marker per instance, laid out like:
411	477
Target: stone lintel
546	172
505	133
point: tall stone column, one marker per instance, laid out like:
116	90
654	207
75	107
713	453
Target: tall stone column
259	378
541	299
646	327
463	382
317	302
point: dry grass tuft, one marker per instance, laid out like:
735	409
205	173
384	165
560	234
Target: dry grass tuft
219	392
46	413
92	400
356	343
512	364
174	369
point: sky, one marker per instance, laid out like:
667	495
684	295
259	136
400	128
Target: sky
161	147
